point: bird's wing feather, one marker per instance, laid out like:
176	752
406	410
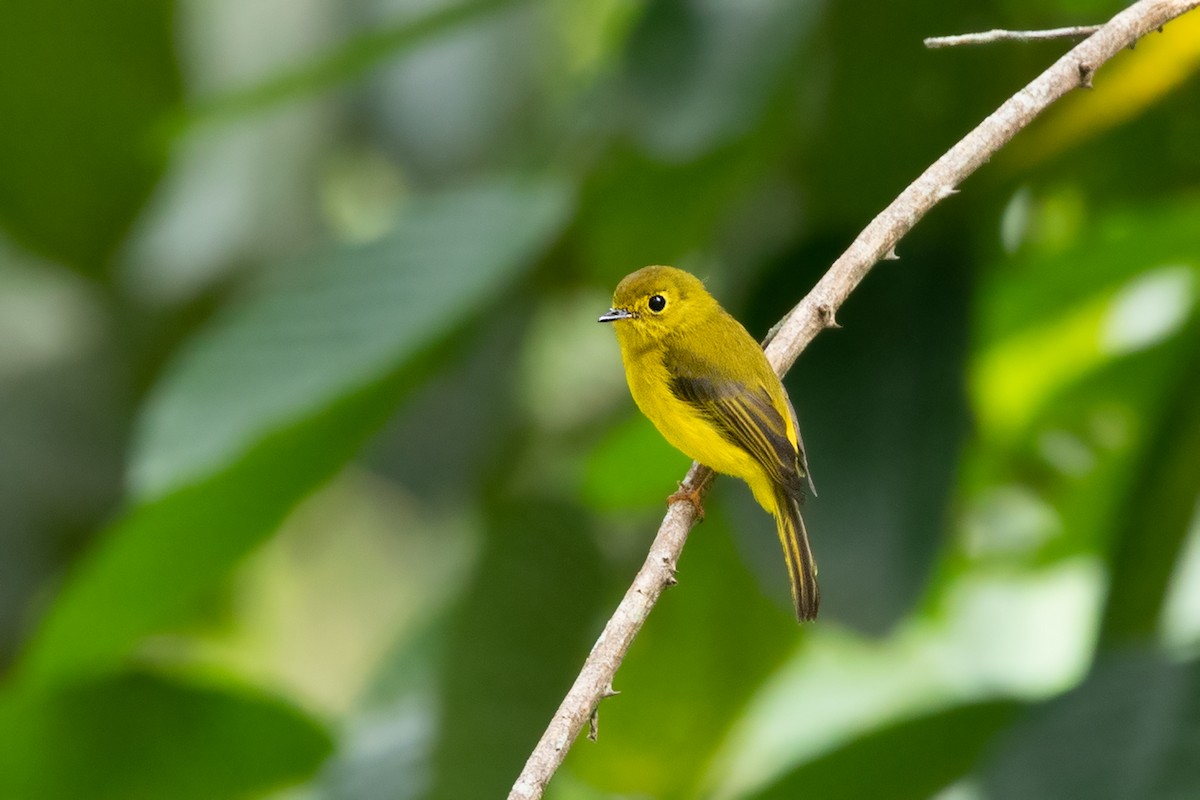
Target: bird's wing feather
745	416
800	446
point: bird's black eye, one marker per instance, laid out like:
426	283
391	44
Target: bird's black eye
657	303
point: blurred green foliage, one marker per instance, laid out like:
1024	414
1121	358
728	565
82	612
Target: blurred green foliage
318	479
78	153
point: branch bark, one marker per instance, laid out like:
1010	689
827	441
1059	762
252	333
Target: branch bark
812	315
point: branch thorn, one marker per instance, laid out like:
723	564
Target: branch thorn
826	312
1085	75
669	580
890	255
594	717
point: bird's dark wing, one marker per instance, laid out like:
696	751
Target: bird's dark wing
746	418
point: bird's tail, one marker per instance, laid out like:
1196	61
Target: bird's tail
802	569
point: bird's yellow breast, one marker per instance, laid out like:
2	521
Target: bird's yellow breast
685	428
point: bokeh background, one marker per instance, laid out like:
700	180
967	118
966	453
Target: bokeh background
318	478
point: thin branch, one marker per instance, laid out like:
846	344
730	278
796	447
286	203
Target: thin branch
812	315
987	37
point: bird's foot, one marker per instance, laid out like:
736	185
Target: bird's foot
692	496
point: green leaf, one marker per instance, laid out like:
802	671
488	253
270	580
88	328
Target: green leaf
1157	514
150	567
518	640
335	322
274	397
81	87
1074	380
1041	286
1130	731
1040	328
143	736
913	759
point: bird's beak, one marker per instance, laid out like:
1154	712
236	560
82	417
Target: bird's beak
614	314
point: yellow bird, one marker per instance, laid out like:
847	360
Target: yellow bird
706	385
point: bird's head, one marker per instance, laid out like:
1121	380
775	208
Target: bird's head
656	302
